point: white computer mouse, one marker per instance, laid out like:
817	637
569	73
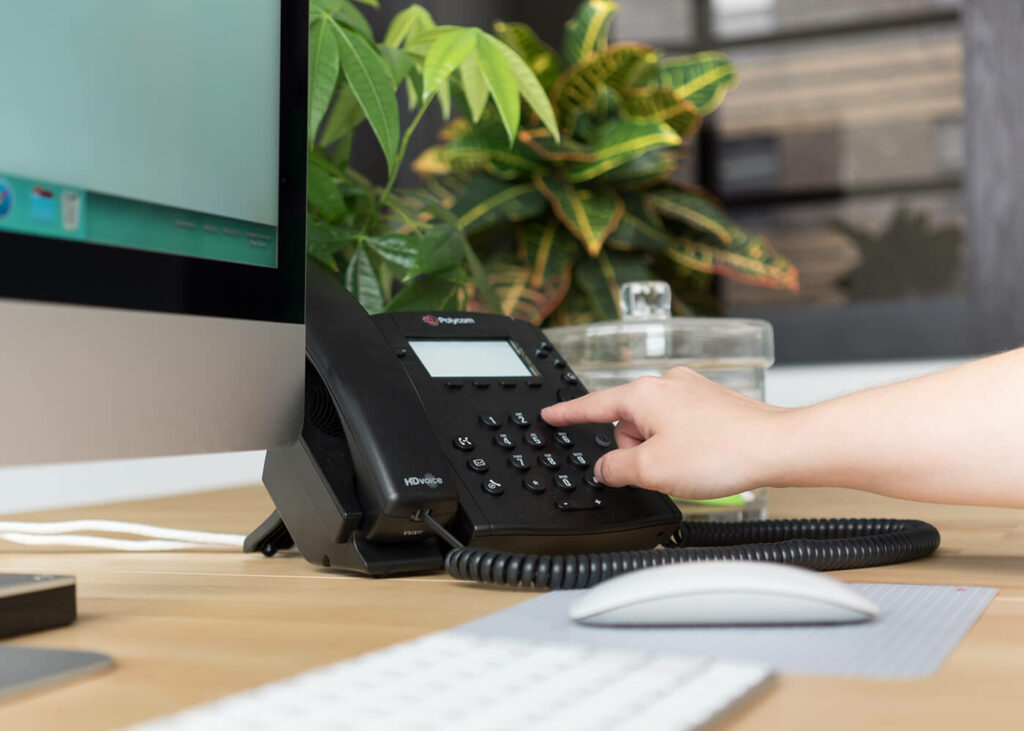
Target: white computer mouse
722	593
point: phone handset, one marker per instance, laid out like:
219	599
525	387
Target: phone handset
398	465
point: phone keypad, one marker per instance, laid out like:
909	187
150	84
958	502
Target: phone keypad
519	418
535	440
503	440
549	461
519	462
490	421
579	460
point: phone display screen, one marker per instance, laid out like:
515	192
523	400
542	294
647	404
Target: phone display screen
471	359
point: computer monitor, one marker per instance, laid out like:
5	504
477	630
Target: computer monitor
152	236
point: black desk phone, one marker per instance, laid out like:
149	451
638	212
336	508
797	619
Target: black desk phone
422	447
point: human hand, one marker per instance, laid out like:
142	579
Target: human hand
680	434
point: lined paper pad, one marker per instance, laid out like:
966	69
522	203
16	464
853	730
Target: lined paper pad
918	627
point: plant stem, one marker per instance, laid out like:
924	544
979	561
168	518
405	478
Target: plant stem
403	146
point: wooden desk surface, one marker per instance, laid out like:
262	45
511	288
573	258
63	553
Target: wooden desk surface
190	627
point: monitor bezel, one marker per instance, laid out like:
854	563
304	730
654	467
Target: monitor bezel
62	271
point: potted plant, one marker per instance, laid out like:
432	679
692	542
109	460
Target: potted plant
581	211
390	250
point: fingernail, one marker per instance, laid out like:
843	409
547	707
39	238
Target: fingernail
598	470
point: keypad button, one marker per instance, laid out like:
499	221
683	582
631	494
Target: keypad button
519	462
564	482
478	464
535	440
558	363
503	440
564	439
519	418
579	459
492	487
549	461
490	421
593	483
534	485
570	378
603	440
463	442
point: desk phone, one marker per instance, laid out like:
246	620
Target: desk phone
422	447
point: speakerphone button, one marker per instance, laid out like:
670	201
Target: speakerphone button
463	442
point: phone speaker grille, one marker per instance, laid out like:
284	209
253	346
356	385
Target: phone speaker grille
320	411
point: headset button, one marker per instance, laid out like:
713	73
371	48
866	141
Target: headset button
478	464
464	443
492	487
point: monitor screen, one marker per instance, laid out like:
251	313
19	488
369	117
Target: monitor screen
147	135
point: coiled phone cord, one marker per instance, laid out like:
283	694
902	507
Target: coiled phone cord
821	544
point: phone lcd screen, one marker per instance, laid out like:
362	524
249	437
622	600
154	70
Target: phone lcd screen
470	359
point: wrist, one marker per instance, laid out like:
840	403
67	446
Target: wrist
780	458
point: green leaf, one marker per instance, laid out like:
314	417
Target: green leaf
587	30
620	141
347	13
398	62
324	241
693	209
344	116
432	292
444	99
590	215
441	248
361	281
445	55
646	171
539	56
482	148
530	88
371	3
703	78
746	258
485	201
410	22
480	277
550	251
618	67
371	83
661	104
501	81
596	279
323	194
517	298
324	67
395	248
474	86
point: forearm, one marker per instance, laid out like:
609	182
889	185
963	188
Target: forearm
955	436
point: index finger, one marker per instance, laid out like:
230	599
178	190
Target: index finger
600	407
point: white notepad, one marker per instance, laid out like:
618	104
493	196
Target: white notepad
919	626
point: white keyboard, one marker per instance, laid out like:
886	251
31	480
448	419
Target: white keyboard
458	681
